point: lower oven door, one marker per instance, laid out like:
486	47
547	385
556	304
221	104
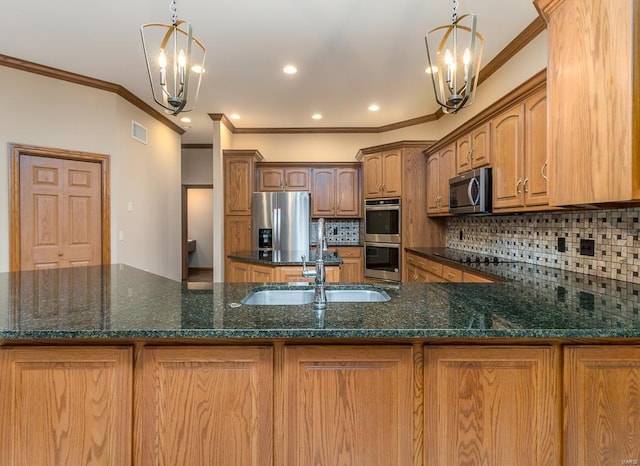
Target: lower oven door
382	260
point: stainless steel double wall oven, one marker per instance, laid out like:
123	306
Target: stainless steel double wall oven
382	238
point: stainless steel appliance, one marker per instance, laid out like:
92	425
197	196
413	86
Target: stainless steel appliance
382	260
281	221
383	220
470	193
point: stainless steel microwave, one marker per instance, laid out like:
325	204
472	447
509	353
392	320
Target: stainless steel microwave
470	193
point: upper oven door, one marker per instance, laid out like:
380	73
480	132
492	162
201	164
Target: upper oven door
382	223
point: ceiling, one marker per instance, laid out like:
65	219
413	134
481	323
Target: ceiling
349	53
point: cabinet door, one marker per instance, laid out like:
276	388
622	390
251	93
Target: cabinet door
348	405
433	184
238	272
296	179
447	170
372	169
491	405
480	146
602	399
347	192
65	406
333	274
270	179
237	234
535	150
507	155
463	154
262	274
292	274
205	406
323	199
392	174
238	184
352	268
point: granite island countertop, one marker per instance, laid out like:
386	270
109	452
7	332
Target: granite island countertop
121	302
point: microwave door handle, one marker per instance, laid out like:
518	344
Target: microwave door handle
474	202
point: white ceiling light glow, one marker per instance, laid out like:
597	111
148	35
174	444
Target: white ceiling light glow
234	116
374	107
290	69
316	116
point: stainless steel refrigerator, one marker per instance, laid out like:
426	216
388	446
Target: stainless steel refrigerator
281	221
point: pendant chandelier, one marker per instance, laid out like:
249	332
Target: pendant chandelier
175	63
454	52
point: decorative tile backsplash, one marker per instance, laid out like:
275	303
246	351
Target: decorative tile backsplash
533	238
338	231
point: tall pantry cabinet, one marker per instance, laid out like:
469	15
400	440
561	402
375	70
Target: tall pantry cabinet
239	168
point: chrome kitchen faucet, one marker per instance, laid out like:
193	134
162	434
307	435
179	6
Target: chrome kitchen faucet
319	295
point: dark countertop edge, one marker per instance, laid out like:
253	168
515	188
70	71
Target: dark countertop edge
338	334
249	256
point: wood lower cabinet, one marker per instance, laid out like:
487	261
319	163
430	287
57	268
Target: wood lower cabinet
64	405
237	237
602	405
352	268
348	405
204	406
246	272
492	406
423	270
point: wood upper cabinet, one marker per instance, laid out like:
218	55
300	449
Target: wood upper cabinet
383	174
204	406
63	405
441	166
492	405
594	100
472	149
283	178
336	192
519	155
238	181
350	405
602	402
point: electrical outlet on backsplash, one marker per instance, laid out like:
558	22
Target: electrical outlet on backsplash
338	231
533	238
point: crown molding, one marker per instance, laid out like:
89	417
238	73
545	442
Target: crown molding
55	73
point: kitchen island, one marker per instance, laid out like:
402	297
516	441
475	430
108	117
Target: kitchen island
149	370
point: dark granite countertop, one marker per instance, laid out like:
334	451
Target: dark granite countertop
280	258
121	302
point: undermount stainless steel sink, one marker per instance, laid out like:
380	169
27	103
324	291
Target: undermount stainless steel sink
292	296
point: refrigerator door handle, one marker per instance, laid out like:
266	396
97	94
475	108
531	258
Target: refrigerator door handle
276	229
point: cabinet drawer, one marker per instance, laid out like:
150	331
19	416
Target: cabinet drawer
451	274
349	251
469	277
433	267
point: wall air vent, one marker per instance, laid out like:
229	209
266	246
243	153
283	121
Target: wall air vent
138	132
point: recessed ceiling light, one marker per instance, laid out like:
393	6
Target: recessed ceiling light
431	70
186	127
290	69
234	116
316	116
197	69
185	120
374	107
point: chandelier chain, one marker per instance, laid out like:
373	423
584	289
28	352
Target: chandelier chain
454	14
174	12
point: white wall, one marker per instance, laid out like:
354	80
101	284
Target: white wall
53	113
197	166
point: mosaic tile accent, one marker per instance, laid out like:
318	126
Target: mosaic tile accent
533	238
338	231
